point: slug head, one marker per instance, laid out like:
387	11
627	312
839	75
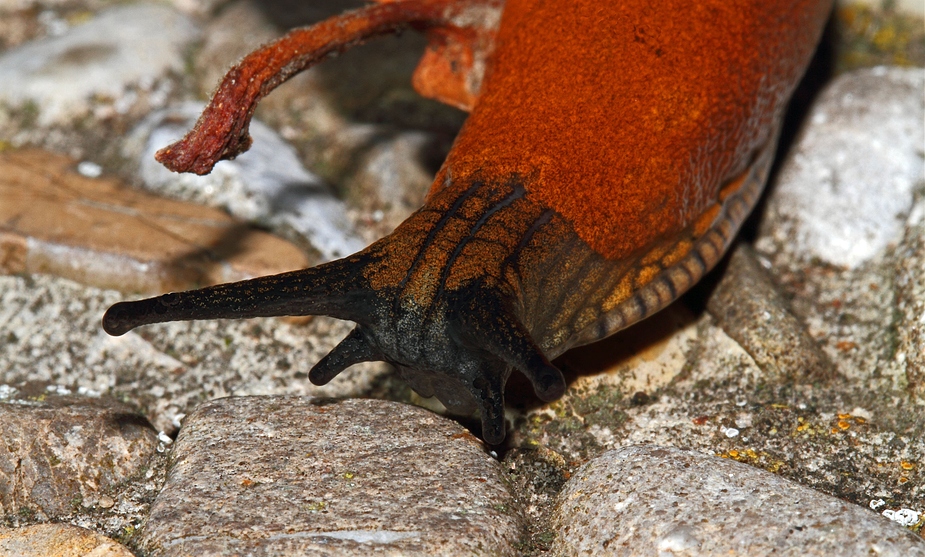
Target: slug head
459	345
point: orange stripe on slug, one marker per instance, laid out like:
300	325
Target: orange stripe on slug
732	187
706	219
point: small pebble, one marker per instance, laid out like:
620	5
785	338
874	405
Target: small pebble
903	517
58	540
90	169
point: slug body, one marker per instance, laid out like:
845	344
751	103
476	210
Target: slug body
612	152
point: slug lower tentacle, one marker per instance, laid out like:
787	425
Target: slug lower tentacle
612	153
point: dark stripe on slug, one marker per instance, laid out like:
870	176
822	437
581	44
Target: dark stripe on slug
668	279
573	295
681	279
655	297
697	259
725	231
718	235
601	283
740	208
512	261
640	303
682	267
538	223
708	250
587	286
437	227
517	193
557	270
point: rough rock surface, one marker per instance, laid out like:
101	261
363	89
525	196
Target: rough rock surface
910	293
166	370
651	500
124	46
296	476
57	540
100	232
64	453
847	188
749	308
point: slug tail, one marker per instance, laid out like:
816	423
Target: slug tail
222	130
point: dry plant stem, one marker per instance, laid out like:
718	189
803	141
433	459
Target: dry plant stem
222	129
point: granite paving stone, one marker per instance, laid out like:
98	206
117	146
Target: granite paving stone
165	370
61	453
910	285
652	500
847	188
57	540
843	220
749	308
301	476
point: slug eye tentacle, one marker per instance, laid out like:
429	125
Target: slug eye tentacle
331	289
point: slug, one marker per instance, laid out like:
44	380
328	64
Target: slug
612	152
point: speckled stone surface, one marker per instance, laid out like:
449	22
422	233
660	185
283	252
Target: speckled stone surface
752	311
846	190
57	540
122	47
910	302
61	453
651	500
292	476
169	369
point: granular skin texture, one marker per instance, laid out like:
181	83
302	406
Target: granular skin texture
631	127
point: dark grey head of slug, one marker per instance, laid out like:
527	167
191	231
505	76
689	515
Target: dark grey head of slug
461	347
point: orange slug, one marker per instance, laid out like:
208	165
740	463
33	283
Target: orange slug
612	152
